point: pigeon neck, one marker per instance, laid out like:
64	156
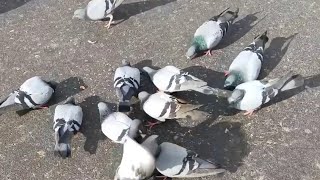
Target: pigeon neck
199	43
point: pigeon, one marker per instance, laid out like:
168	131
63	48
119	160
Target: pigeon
246	66
126	83
176	161
33	93
67	121
210	33
117	125
98	10
162	106
171	79
137	160
249	96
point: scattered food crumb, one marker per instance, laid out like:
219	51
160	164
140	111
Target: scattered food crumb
82	87
41	153
308	131
92	42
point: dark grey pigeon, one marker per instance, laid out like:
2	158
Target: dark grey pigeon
126	82
176	161
33	93
246	66
249	96
67	121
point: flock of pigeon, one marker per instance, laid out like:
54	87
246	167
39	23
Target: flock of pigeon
139	160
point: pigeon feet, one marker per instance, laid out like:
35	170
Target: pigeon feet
248	113
43	107
208	53
152	124
110	21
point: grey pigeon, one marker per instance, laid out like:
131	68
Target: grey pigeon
249	96
137	161
126	82
117	125
246	66
176	161
98	10
210	33
32	94
162	106
67	121
171	79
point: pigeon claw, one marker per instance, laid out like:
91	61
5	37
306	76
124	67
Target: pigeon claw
208	53
110	21
249	113
152	124
226	73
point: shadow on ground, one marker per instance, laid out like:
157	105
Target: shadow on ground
125	11
91	127
222	142
66	88
239	29
274	53
309	83
8	5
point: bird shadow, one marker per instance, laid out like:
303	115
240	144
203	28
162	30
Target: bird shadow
239	29
63	90
145	81
309	83
66	88
224	143
8	5
125	11
91	126
214	79
274	53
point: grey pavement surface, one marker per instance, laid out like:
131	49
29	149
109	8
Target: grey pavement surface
38	37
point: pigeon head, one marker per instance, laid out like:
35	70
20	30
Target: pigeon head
143	96
149	70
236	96
192	51
232	81
134	128
79	13
125	62
104	110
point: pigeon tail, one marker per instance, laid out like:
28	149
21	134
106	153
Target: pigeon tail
213	91
228	16
70	100
124	106
261	40
215	18
8	104
287	82
296	81
62	146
